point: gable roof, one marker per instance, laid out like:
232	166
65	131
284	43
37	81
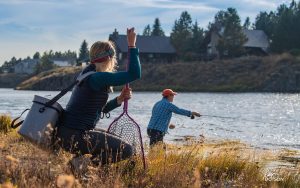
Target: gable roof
256	38
146	44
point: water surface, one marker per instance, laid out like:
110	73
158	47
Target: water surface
268	120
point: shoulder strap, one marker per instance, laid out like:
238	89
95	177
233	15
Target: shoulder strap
79	79
13	125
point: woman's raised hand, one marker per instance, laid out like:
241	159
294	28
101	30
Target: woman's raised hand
131	37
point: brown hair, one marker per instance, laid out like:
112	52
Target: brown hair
99	47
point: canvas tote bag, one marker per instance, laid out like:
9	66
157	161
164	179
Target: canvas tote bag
41	120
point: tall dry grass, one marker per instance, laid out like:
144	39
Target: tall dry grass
23	164
5	121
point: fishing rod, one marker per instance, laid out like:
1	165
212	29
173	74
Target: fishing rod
234	118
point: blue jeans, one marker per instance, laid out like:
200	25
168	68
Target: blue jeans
101	145
155	136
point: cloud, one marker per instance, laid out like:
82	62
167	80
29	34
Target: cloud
38	25
168	4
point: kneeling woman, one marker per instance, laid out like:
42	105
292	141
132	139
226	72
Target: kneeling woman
88	100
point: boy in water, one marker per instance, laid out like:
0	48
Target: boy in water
162	114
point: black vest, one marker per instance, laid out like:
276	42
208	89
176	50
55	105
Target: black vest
84	108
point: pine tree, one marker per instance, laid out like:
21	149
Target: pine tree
247	23
45	62
182	33
266	22
232	37
83	52
36	55
147	31
157	30
197	39
281	26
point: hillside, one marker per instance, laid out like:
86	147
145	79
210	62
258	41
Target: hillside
10	80
280	73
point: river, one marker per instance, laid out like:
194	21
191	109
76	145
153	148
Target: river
264	120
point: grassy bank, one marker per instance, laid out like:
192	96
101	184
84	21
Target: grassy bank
196	163
276	73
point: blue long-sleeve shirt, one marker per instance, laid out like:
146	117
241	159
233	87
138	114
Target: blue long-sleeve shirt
162	114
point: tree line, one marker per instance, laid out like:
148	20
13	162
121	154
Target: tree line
46	59
282	27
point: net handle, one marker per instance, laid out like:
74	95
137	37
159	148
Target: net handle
125	107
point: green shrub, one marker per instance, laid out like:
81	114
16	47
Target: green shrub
295	52
5	121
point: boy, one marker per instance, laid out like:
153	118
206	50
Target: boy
162	114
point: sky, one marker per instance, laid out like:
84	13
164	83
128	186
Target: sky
29	26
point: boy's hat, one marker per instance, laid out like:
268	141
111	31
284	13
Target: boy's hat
167	92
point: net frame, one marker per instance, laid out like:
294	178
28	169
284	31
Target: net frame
133	134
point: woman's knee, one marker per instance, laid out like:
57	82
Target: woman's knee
127	151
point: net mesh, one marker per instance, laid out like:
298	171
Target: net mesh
128	130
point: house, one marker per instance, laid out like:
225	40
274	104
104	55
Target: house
257	42
26	66
154	49
64	61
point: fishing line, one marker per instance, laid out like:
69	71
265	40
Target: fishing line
237	118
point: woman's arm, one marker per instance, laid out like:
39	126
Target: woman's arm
116	102
103	79
110	105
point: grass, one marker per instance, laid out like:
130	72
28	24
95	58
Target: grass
196	164
5	121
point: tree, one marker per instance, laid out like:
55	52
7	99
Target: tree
182	33
266	22
147	31
232	37
45	62
36	55
197	39
157	30
247	23
83	52
281	26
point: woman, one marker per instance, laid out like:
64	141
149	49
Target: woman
89	101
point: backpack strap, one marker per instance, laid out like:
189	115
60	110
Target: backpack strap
79	79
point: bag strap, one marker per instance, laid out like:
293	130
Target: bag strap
13	125
79	79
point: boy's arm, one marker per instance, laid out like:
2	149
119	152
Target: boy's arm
180	111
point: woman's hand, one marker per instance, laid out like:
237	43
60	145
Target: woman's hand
125	94
131	37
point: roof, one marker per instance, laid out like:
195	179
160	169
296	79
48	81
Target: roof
256	38
146	44
28	61
69	59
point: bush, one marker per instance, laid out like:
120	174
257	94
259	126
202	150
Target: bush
295	52
5	121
